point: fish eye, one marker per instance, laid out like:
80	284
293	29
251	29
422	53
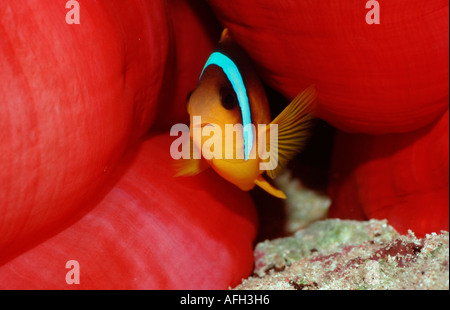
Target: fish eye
228	98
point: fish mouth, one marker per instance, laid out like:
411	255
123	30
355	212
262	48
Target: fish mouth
201	126
198	143
202	121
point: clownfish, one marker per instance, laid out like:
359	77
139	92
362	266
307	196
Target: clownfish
229	92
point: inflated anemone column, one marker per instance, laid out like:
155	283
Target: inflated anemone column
80	181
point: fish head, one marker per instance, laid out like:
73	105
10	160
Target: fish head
213	107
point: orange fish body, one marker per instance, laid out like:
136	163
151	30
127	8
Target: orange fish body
230	104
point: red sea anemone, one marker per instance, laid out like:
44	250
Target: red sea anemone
76	100
83	179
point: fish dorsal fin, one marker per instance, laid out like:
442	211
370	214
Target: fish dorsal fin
294	127
225	34
261	182
188	165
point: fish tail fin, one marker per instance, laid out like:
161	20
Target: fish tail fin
261	182
294	128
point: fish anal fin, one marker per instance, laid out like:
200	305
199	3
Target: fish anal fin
261	182
294	128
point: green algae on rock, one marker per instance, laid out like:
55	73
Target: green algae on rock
343	254
326	236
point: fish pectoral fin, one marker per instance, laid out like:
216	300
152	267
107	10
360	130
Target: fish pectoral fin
261	182
294	128
188	165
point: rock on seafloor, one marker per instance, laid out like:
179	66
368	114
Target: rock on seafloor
344	254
